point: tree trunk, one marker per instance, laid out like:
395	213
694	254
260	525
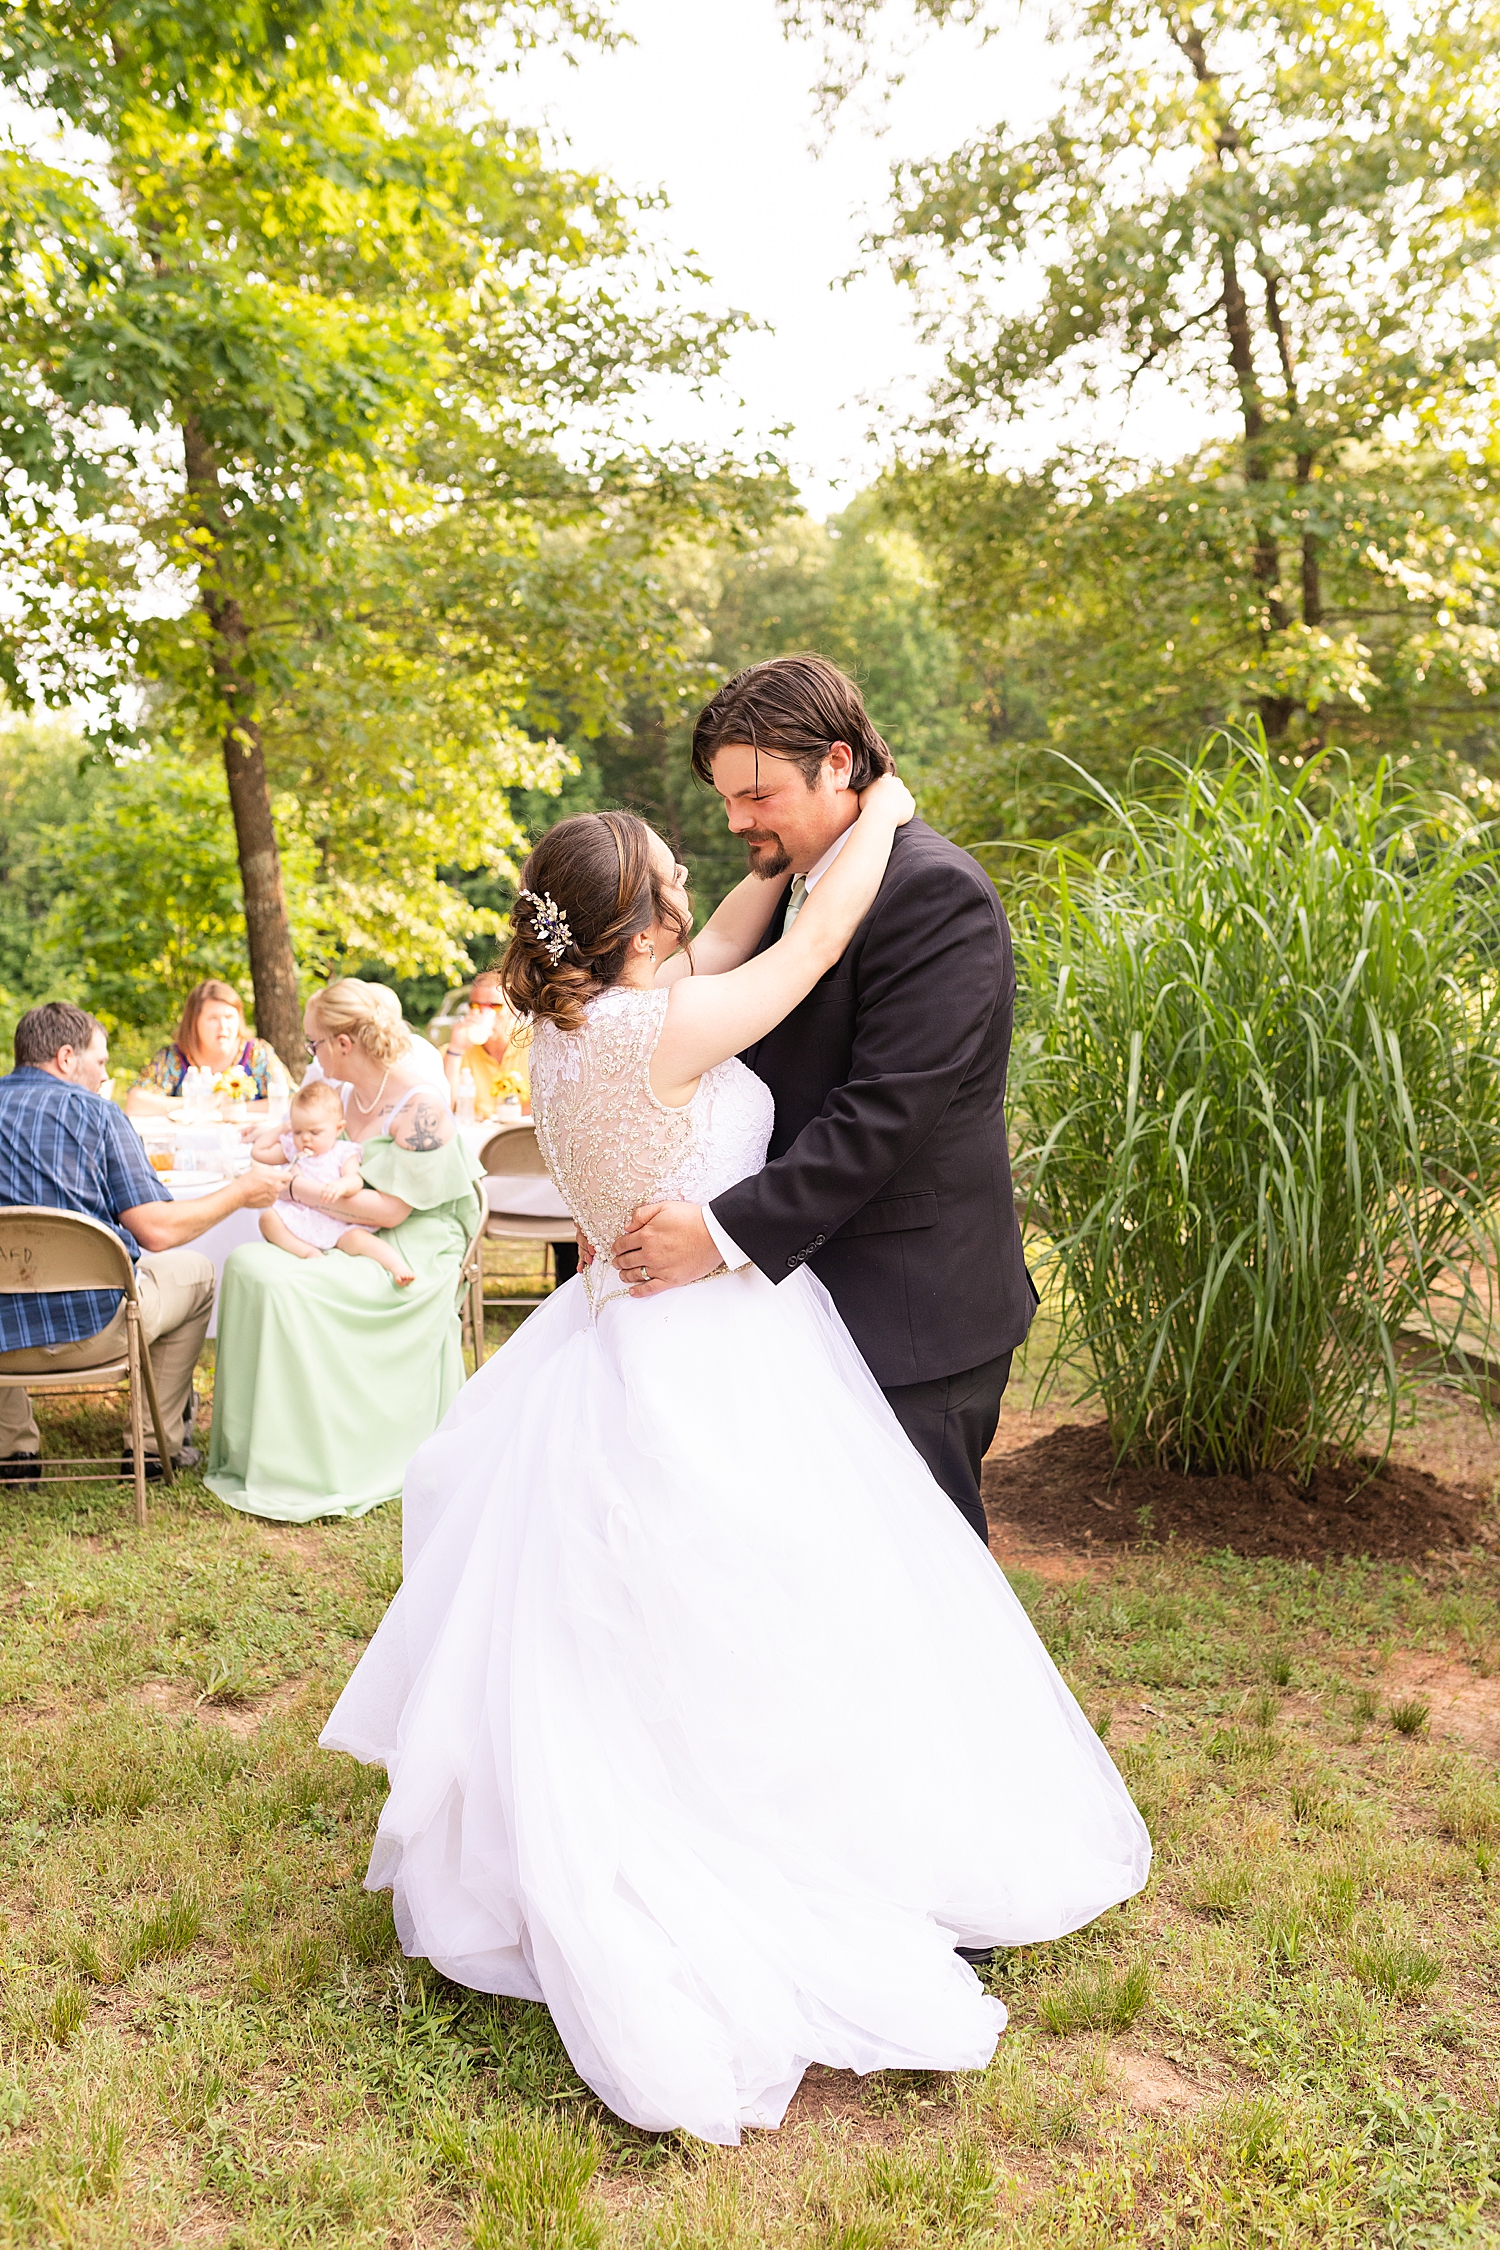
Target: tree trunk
273	965
1312	576
1267	562
1312	582
1275	710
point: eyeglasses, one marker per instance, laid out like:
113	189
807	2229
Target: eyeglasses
312	1045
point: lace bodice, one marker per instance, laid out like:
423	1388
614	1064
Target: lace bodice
610	1144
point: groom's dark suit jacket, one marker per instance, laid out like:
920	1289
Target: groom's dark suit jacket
889	1172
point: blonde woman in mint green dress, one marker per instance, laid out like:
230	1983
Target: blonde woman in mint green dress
329	1373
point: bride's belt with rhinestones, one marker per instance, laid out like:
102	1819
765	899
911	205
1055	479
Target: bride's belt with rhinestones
604	1296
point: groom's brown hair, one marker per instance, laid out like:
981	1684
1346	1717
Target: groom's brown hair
792	707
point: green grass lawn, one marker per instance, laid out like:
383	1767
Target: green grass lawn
208	2034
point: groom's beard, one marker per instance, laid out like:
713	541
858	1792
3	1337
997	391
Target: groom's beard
766	864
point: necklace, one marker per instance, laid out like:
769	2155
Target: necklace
368	1109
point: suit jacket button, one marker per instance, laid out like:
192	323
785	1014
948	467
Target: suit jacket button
791	1263
817	1241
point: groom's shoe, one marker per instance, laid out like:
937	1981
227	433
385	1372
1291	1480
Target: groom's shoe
977	1956
186	1459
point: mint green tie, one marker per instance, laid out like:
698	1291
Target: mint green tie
794	902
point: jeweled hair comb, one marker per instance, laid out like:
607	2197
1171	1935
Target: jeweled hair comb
549	924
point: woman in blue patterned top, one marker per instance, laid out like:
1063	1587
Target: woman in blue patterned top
212	1035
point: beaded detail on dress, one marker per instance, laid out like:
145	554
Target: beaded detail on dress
610	1144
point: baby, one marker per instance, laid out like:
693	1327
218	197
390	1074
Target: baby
313	1149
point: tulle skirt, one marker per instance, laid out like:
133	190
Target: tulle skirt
708	1720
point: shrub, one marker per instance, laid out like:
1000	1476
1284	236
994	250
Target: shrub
1260	1082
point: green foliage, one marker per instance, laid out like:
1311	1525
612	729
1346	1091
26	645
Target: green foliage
69	2007
861	591
858	590
535	2173
1098	1998
166	1931
1279	217
48	778
147	889
947	2193
1400	1972
288	344
1101	620
1262	1105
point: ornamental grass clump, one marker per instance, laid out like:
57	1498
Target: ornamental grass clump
1259	1086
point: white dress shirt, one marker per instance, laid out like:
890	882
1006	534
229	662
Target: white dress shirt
729	1250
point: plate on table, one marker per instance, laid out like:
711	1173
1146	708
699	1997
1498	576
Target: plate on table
191	1179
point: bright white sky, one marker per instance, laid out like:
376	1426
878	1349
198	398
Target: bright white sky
713	104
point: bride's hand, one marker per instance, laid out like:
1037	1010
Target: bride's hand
889	795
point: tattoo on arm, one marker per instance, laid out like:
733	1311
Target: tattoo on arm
425	1130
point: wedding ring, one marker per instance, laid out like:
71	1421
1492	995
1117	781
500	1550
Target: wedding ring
644	1275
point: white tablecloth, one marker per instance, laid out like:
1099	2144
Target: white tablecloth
240	1226
532	1193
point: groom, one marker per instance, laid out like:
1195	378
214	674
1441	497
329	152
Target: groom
888	1171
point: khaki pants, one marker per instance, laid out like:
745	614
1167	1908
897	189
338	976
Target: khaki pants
176	1292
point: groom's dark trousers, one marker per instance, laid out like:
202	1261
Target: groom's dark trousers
889	1171
952	1422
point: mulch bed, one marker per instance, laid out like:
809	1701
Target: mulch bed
1064	1490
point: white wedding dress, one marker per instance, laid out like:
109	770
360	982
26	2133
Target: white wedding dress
708	1720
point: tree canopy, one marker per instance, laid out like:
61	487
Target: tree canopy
1281	220
293	327
859	589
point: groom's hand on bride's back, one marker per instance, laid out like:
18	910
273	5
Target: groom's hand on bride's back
669	1243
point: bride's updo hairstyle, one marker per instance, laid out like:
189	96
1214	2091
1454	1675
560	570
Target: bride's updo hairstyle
595	873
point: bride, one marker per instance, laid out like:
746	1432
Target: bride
708	1720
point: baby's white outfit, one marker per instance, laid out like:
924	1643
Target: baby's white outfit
321	1228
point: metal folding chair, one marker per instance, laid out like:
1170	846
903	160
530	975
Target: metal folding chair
471	1282
46	1250
512	1153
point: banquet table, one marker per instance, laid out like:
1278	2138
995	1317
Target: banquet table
239	1227
533	1195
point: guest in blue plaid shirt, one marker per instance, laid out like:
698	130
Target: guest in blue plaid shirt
63	1145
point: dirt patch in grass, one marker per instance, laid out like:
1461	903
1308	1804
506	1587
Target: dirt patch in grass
243	1719
1461	1707
1064	1490
1153	2084
826	2095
